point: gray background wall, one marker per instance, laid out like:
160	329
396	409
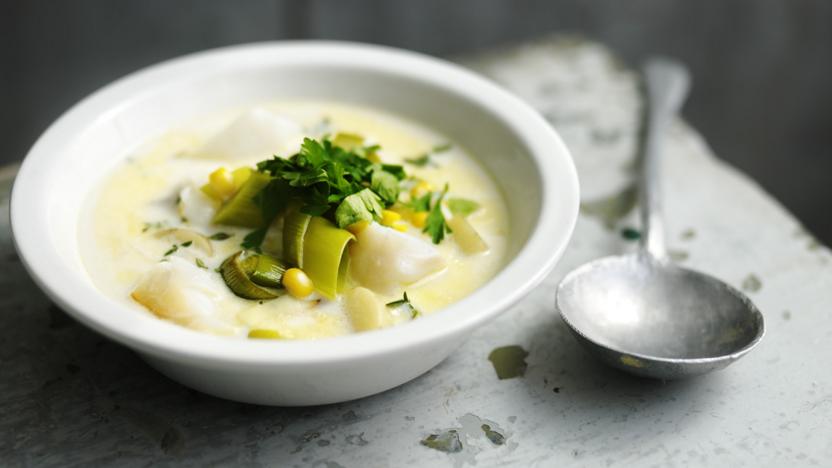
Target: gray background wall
762	68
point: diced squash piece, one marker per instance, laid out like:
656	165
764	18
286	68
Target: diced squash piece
466	236
364	309
241	209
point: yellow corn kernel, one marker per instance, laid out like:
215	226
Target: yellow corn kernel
420	189
264	334
389	217
419	219
297	283
400	226
355	228
239	176
222	182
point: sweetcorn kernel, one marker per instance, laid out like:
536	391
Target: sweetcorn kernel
389	217
419	219
297	283
400	226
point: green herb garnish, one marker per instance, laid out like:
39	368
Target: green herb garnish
172	249
435	225
426	159
326	180
462	206
405	301
362	206
219	236
157	225
187	243
200	264
253	239
420	204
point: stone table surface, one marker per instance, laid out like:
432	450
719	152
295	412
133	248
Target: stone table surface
71	397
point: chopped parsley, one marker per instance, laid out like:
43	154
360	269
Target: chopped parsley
420	204
435	225
157	225
219	236
175	247
362	206
326	180
426	159
405	301
200	264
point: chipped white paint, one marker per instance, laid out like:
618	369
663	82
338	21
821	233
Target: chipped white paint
69	397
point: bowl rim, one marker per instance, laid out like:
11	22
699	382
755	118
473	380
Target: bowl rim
535	259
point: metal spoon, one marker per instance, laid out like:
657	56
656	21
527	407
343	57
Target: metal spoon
641	313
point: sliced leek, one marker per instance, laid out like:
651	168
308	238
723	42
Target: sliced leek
294	229
348	141
241	209
325	256
466	237
235	271
267	271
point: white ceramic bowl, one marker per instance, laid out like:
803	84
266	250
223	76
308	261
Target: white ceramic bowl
524	154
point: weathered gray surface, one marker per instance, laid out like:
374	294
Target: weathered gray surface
68	396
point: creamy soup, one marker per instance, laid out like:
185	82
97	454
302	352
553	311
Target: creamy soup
295	220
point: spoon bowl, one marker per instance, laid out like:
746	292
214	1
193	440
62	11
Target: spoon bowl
655	319
640	312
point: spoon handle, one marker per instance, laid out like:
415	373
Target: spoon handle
667	83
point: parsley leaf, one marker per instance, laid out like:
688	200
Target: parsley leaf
419	161
200	263
435	224
362	206
253	239
386	185
462	206
170	251
425	159
340	184
421	204
219	236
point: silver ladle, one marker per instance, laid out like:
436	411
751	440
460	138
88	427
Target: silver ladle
640	312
